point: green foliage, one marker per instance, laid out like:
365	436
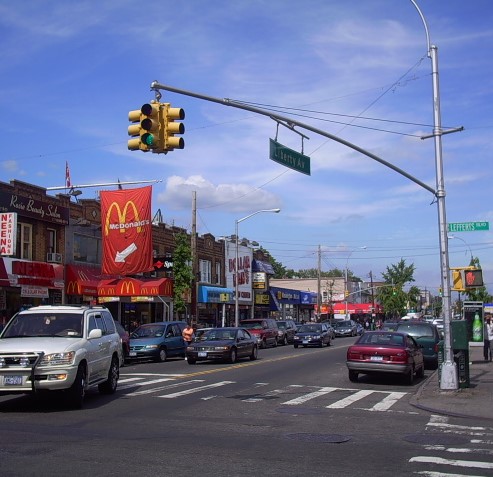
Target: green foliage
182	271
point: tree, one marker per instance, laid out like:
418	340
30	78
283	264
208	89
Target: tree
392	295
182	272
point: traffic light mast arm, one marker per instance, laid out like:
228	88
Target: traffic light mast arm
235	104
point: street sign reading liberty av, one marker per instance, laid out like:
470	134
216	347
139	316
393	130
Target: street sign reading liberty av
289	158
468	226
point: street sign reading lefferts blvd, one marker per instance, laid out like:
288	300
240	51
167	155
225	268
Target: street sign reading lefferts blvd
468	226
289	158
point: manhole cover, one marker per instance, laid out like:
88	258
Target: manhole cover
327	438
436	439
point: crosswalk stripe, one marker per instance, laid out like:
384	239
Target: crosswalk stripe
309	396
162	388
195	390
342	403
455	462
388	401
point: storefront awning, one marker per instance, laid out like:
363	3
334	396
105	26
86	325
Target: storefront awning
215	294
82	280
136	287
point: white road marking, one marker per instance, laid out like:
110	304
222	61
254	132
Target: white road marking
195	390
455	462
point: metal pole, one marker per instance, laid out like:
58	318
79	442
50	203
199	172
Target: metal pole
237	303
449	377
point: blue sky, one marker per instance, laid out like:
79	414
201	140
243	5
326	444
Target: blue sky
71	71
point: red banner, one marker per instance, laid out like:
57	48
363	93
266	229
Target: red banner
127	231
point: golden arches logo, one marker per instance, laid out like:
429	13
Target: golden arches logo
73	288
127	287
149	290
110	291
122	215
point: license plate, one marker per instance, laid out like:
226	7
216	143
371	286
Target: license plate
12	380
305	341
132	353
376	358
202	354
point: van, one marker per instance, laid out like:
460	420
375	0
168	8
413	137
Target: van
264	329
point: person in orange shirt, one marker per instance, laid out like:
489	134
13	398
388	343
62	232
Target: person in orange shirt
187	335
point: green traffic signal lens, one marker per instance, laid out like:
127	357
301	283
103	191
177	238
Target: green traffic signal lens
148	139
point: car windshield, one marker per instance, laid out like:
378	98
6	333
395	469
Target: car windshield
416	330
253	325
216	335
381	339
44	324
281	325
310	329
148	332
342	324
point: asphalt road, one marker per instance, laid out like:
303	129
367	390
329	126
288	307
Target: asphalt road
291	412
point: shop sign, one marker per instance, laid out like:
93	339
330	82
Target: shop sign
8	233
34	292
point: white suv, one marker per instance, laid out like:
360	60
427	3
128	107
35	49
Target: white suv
60	348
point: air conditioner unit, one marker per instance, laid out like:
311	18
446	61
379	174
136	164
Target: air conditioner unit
54	257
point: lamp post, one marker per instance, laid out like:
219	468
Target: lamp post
449	379
346	290
237	259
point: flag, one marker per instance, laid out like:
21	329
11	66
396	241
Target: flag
127	231
68	184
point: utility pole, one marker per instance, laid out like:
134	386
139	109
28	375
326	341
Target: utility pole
193	246
319	272
372	296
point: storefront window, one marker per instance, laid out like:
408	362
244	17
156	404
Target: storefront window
87	249
24	241
205	267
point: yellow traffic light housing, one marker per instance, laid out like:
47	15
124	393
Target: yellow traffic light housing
145	128
170	128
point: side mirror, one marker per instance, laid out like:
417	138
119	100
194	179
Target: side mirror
96	333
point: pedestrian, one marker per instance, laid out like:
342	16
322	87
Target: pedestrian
187	335
488	338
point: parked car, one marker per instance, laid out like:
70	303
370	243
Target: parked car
157	341
226	344
60	348
125	341
345	328
385	352
287	330
331	329
312	334
264	329
427	335
390	325
360	329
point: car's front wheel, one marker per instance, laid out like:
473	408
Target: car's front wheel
232	356
162	356
77	391
254	354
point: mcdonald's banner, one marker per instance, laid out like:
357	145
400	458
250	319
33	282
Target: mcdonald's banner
127	231
136	287
81	280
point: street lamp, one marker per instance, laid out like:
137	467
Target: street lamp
346	291
237	303
465	243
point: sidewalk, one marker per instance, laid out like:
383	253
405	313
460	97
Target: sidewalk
475	401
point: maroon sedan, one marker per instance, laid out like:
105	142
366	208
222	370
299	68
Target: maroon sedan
381	352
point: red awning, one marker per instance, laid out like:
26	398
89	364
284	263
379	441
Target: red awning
4	278
136	287
356	308
82	280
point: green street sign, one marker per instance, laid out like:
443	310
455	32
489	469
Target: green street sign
289	158
468	226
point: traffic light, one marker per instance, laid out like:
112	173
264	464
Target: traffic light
145	128
346	293
457	282
394	291
169	127
473	278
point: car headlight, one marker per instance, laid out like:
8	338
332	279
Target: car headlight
222	348
154	346
296	337
58	359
